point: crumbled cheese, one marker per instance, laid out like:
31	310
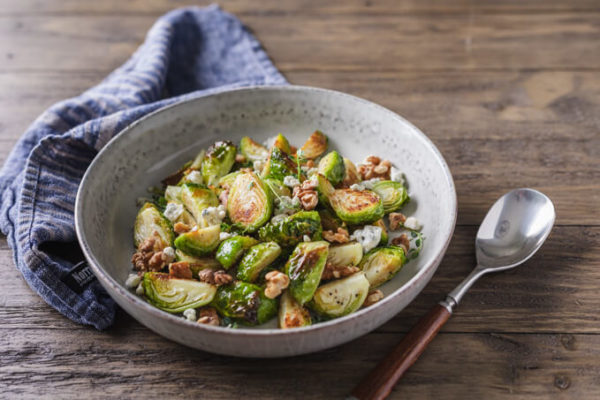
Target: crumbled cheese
291	181
286	205
396	175
269	142
133	280
213	215
224	236
412	223
194	177
190	314
306	238
368	237
173	211
168	254
139	290
258	165
278	218
369	184
357	186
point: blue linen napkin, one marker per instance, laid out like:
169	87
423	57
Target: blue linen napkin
188	53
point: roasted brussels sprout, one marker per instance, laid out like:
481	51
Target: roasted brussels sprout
218	161
356	207
341	297
226	181
315	145
200	242
282	144
245	302
258	258
197	163
345	254
278	189
393	195
150	222
173	193
250	203
231	250
176	295
197	198
279	165
291	230
197	264
330	221
292	314
385	237
305	267
252	150
351	175
382	263
332	167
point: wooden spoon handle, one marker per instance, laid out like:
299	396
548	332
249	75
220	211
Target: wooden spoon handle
381	380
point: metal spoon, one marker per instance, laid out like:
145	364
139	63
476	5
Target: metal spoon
511	232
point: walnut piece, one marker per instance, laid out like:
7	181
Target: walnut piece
402	241
374	167
180	228
307	194
396	220
208	316
149	256
276	282
341	236
335	271
180	270
373	297
217	278
240	158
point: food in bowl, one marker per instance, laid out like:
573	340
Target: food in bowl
243	234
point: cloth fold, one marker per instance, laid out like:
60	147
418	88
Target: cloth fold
188	53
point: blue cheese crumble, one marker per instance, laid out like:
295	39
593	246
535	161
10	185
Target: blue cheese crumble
291	181
368	237
190	314
213	215
173	211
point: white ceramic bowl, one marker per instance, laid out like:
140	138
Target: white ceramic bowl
155	146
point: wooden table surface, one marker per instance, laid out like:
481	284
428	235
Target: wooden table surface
508	91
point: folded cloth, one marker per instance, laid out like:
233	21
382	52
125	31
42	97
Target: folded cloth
188	53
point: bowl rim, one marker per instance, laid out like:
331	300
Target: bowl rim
107	280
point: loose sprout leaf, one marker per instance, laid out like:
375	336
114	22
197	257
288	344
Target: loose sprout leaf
315	145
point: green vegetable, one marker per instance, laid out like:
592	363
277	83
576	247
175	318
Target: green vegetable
278	189
173	193
341	297
200	242
382	263
305	267
250	203
345	254
218	161
330	221
292	314
257	259
176	295
197	264
291	230
226	181
196	199
356	207
332	167
245	302
252	150
279	165
384	233
315	145
351	175
393	194
197	163
231	250
282	144
150	222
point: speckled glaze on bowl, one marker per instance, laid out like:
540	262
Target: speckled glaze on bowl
155	146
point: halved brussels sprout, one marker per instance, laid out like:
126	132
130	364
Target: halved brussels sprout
305	267
345	254
258	258
250	203
282	144
231	250
279	165
218	161
197	264
197	198
252	150
173	193
384	233
382	263
351	175
150	221
226	181
341	297
277	187
332	167
197	163
291	230
200	242
315	145
176	295
356	207
292	314
330	221
245	302
393	195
